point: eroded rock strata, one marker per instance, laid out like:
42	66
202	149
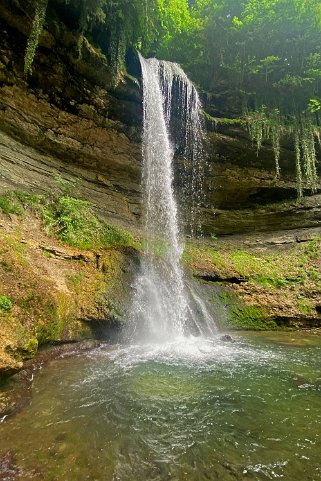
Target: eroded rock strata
73	119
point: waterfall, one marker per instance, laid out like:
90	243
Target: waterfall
162	307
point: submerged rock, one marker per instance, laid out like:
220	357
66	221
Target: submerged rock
8	468
227	338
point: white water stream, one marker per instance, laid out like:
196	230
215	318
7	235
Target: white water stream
163	306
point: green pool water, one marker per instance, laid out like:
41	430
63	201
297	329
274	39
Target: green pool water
190	410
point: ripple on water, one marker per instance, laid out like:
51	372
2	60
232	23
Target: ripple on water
188	410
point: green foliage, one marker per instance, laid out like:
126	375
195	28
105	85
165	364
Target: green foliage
69	218
75	223
266	126
29	349
263	57
16	202
67	187
314	105
267	52
312	249
33	40
9	204
313	274
5	303
298	168
28	200
255	52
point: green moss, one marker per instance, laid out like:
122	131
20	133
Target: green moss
56	317
226	297
75	281
194	254
228	121
278	282
305	306
5	304
30	348
246	263
221	120
240	316
48	330
16	247
250	318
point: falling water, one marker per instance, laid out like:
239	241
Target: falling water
162	306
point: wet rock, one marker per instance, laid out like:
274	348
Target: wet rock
9	471
227	338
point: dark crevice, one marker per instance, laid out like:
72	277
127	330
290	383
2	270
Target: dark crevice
216	278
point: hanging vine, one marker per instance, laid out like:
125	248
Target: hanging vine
298	168
307	143
263	126
257	126
118	47
275	133
36	29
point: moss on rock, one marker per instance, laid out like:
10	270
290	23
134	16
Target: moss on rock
275	282
52	292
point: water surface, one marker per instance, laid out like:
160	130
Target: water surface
189	410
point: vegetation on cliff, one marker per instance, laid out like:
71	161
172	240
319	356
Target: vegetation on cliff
258	60
265	53
261	288
60	265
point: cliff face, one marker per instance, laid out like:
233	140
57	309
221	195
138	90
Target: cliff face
51	292
68	117
242	192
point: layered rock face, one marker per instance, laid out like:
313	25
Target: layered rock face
68	117
243	194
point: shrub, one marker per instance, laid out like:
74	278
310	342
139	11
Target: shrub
5	303
9	205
